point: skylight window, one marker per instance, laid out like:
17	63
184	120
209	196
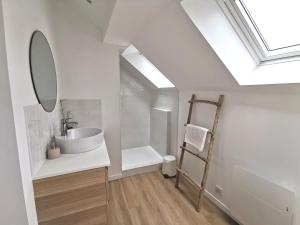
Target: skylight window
230	30
271	27
145	67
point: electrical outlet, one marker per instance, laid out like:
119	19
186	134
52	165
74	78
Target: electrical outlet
219	189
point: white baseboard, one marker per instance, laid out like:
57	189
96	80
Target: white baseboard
217	202
115	176
141	170
133	172
220	205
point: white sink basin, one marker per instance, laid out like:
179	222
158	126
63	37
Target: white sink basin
80	140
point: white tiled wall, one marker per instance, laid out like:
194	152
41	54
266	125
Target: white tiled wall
138	98
86	112
160	130
40	127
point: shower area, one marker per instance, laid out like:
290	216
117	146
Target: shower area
148	121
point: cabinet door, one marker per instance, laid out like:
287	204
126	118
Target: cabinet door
77	198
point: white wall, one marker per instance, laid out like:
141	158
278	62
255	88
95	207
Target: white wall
89	70
258	130
12	205
21	18
169	99
136	98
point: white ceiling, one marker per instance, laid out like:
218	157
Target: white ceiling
130	17
98	12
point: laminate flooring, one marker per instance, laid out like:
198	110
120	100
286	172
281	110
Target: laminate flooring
149	199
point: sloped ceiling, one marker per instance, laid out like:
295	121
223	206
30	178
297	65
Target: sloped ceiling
181	52
163	32
98	12
130	17
166	36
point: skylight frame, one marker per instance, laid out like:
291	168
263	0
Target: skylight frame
245	26
146	68
210	18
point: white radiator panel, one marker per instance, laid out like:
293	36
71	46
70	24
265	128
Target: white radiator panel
258	201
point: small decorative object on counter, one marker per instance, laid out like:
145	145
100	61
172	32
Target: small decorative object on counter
169	166
54	151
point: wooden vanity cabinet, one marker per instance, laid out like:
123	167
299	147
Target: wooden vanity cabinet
73	199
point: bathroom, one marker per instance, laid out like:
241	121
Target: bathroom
96	53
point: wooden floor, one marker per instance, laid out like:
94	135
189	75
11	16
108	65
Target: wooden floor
149	199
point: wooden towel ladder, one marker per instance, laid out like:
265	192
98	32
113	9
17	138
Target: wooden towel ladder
207	159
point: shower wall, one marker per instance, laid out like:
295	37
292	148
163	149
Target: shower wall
135	110
138	97
168	99
160	130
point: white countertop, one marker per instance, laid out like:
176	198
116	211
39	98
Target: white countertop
71	163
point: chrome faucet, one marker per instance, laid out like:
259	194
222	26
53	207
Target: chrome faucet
66	124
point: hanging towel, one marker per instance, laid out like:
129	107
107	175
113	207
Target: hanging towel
196	136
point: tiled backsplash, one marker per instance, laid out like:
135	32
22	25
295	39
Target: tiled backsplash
41	127
87	112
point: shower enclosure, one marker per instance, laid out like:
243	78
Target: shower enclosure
148	121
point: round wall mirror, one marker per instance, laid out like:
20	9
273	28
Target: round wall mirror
43	71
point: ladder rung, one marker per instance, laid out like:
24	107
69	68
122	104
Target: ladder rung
189	151
191	180
204	101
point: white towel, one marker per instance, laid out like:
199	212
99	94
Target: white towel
196	136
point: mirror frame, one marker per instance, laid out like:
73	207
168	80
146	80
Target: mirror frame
31	71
